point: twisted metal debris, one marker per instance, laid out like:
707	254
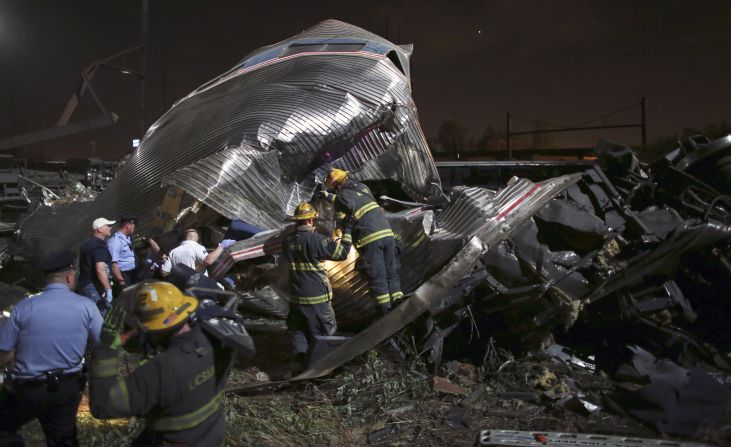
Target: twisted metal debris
253	142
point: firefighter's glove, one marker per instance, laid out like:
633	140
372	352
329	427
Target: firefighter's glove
113	322
348	222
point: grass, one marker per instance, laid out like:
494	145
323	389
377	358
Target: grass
375	388
333	412
284	420
107	433
339	411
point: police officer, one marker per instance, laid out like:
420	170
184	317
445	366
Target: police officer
49	333
311	313
180	390
123	253
372	235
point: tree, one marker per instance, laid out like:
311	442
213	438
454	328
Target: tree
452	137
491	140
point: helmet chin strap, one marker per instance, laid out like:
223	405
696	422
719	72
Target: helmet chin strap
160	339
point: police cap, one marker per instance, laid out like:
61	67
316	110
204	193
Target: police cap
58	262
124	218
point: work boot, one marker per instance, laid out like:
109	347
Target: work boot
384	308
295	365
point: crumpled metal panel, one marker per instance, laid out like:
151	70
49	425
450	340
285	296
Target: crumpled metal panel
43	229
253	142
427	243
240	169
498	226
521	200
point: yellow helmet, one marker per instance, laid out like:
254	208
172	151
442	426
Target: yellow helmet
335	177
304	211
161	306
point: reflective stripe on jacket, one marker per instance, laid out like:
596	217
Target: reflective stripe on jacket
179	391
304	250
369	219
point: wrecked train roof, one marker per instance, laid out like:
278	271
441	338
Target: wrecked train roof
253	142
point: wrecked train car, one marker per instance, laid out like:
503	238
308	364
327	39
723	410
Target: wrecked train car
429	240
595	261
253	142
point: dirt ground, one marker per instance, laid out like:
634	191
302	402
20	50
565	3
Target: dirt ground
381	399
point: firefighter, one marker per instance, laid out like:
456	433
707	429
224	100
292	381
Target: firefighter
311	313
180	390
372	236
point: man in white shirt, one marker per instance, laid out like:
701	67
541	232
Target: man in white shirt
192	254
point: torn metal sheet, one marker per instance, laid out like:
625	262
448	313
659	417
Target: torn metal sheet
427	245
505	217
691	235
558	352
253	142
710	161
672	399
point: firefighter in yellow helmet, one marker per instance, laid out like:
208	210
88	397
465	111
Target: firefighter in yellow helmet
372	235
180	390
310	312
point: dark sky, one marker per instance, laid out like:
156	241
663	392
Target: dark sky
565	61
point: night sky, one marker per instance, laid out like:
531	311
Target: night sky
563	61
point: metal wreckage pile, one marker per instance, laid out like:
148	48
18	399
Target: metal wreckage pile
623	262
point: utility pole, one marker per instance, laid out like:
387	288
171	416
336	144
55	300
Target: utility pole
507	137
143	67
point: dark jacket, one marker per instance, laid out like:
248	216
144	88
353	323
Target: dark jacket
93	250
179	391
304	250
369	219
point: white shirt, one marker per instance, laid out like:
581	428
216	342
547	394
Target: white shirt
190	253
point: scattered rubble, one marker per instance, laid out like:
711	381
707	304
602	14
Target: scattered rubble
442	385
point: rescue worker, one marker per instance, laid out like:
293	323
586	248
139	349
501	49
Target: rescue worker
180	390
95	264
192	254
123	253
49	333
311	313
372	236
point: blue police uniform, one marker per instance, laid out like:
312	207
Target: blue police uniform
374	239
311	313
49	333
122	251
